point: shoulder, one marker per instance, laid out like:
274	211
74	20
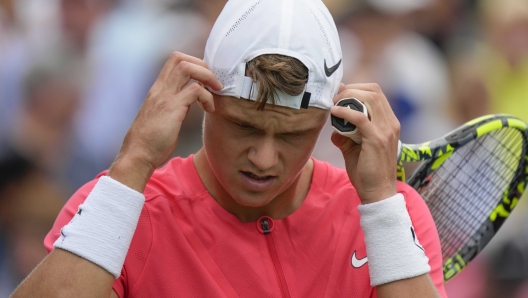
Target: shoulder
167	182
176	178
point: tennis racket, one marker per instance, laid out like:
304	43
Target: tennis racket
471	180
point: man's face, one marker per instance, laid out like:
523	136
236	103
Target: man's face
257	155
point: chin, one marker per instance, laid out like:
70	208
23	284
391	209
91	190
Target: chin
253	200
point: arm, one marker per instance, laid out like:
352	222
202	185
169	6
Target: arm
371	168
420	286
47	274
63	274
427	234
148	144
413	267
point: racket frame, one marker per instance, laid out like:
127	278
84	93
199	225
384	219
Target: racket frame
434	153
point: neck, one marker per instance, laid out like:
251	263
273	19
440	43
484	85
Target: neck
279	207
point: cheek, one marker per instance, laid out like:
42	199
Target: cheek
295	157
223	150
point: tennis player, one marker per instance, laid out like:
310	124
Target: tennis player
250	214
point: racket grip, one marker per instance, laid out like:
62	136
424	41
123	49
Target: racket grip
348	129
344	127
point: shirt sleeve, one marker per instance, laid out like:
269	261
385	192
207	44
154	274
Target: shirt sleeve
67	213
426	233
65	216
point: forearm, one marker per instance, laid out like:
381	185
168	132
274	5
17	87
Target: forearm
132	172
63	274
421	286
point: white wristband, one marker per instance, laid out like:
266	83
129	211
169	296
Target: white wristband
393	249
103	227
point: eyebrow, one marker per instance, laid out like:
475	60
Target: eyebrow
244	122
240	121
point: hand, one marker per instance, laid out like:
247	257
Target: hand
371	166
153	135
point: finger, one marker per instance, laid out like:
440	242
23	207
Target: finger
369	98
347	93
389	113
346	145
372	87
357	118
194	92
174	62
341	141
174	59
341	87
381	115
185	71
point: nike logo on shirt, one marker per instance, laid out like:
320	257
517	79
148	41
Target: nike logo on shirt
358	263
331	70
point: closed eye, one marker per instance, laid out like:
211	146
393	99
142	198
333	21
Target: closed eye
294	135
243	126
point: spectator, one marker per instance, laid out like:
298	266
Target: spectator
42	127
491	71
124	52
29	203
378	46
490	75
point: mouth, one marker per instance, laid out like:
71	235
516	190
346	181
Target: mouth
257	182
256	177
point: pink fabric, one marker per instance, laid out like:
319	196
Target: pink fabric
186	245
470	282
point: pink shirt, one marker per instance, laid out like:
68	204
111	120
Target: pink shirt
186	245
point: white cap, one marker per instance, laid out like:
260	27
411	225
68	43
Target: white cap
302	29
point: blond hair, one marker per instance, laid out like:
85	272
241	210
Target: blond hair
276	72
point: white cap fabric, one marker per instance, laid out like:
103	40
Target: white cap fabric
303	29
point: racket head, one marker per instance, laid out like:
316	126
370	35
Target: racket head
471	180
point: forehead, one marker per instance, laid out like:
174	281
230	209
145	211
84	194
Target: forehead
288	118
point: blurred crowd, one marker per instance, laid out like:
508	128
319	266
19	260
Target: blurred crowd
73	74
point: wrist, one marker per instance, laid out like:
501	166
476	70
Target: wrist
369	197
132	172
393	249
102	229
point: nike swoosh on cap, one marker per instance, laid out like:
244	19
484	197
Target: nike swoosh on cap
331	70
358	263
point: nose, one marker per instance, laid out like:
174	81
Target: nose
264	154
